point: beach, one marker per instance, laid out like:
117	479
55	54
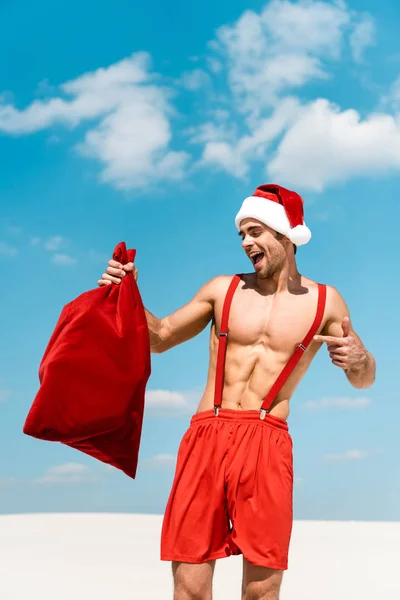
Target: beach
116	556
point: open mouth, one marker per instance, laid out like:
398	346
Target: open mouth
257	258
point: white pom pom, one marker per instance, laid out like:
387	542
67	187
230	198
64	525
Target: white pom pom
300	235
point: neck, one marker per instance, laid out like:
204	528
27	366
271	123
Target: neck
287	279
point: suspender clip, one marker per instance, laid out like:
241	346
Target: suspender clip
223	335
263	414
216	410
302	347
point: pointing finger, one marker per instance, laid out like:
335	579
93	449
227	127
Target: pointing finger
329	339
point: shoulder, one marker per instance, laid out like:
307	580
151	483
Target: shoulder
333	296
334	300
311	287
334	304
213	289
335	310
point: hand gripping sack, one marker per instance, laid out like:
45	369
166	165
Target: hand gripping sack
94	373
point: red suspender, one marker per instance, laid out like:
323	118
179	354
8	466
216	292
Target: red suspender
223	338
287	370
297	354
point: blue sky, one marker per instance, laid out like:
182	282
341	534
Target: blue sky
150	123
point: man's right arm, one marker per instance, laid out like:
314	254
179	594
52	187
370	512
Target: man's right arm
180	326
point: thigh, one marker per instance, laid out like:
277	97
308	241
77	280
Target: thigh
260	583
193	581
260	498
196	525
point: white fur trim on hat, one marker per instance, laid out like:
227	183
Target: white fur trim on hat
300	235
267	211
274	215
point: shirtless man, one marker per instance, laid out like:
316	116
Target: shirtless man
232	492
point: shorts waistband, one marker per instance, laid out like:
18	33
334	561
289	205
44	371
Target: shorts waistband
239	416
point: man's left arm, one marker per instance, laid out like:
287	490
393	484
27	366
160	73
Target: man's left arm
345	347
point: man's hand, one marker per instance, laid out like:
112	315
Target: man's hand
346	352
115	273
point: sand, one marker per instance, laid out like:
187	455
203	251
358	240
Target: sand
116	557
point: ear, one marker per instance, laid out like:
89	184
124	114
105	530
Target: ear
289	246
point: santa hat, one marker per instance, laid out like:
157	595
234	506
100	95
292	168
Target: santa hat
280	209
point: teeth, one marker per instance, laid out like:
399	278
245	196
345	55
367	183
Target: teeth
254	256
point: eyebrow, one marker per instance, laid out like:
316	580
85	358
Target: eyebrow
252	228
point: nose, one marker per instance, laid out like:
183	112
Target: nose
246	242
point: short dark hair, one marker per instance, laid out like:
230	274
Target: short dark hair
280	236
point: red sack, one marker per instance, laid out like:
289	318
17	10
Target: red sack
94	373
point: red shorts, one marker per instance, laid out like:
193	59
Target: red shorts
232	492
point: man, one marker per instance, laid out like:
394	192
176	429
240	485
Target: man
232	491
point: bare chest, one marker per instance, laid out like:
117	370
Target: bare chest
277	322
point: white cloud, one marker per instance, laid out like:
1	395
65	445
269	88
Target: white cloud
340	403
214	65
258	63
54	243
234	155
7	250
160	461
170	403
393	97
280	48
93	94
362	37
195	80
269	54
326	145
68	473
265	56
350	455
63	260
44	88
165	398
306	26
127	115
132	144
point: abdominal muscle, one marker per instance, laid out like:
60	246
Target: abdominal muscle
249	374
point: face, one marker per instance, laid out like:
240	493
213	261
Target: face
261	244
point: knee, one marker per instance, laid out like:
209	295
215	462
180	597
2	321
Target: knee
193	582
262	595
189	590
260	591
260	583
